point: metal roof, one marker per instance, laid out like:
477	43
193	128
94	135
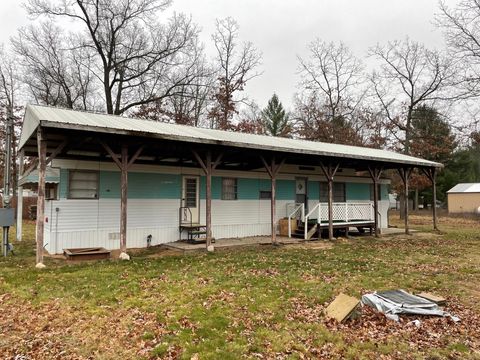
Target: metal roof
52	175
87	121
465	188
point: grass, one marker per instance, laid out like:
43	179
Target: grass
254	302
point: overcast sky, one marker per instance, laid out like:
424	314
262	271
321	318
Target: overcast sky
281	29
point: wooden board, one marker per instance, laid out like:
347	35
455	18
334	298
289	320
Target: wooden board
433	298
342	307
95	253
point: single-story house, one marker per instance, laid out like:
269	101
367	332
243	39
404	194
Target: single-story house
124	182
464	198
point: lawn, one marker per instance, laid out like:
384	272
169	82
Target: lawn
260	302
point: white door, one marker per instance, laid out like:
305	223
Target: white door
191	199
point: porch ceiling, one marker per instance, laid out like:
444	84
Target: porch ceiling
171	144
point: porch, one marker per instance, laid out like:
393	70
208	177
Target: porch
345	215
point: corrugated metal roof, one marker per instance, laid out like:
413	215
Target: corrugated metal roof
55	117
52	175
465	188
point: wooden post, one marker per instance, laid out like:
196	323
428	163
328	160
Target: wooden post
20	198
329	172
405	175
431	173
375	174
273	169
123	199
124	163
42	164
208	166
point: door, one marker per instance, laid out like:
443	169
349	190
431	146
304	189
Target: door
191	199
301	192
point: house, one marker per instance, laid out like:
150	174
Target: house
464	198
122	182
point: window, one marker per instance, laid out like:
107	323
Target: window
338	192
265	194
191	192
379	192
229	189
83	184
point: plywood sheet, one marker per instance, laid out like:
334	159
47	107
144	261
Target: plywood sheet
342	307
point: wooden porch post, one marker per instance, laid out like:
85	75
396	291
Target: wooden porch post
123	199
42	164
431	173
375	174
208	166
330	172
272	170
124	163
20	198
405	175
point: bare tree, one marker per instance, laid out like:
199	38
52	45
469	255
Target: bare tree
409	75
138	59
54	74
334	75
189	105
9	110
461	27
236	65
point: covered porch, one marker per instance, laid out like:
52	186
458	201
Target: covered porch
50	134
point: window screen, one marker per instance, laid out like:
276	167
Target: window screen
338	192
83	184
229	189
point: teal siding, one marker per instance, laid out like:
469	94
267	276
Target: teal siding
216	187
109	185
285	190
248	189
140	185
153	186
169	186
357	191
264	185
63	186
313	190
384	191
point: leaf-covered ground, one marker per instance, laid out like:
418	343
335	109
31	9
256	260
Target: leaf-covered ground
260	302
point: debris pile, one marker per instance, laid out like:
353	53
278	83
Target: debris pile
421	330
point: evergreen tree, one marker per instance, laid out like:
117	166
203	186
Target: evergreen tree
275	119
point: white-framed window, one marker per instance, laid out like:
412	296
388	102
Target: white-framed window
229	189
82	184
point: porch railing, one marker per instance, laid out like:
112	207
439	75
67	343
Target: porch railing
343	213
295	211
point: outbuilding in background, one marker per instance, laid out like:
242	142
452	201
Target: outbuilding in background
464	198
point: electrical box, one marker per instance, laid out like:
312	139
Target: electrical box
7	216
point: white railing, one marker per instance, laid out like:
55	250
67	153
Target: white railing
343	212
295	211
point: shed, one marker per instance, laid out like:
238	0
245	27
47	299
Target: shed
464	198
